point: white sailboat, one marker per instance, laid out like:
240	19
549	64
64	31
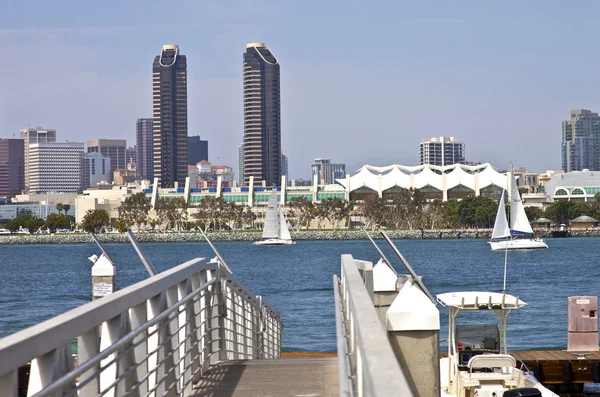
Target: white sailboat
516	230
276	230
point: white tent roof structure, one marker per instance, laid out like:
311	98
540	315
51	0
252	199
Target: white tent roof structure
443	178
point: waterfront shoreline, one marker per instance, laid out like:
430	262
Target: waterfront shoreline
312	235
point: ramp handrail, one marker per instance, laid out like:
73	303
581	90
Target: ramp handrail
154	338
366	362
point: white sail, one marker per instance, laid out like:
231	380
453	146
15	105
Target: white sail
519	224
270	228
284	232
501	225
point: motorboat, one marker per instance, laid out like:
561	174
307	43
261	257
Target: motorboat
276	230
515	232
478	363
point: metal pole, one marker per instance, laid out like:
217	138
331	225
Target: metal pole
140	253
385	259
408	267
215	251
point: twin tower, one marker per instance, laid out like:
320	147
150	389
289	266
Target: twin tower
262	116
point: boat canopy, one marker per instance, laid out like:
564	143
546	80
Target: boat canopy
474	300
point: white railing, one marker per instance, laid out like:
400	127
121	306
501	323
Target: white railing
154	338
366	362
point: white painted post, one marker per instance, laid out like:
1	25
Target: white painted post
413	324
384	289
104	279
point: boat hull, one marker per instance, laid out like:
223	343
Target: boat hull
517	244
274	241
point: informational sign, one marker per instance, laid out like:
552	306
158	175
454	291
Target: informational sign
102	289
583	301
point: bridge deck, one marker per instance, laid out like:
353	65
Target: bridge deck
278	377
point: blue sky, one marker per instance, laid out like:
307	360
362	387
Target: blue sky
362	82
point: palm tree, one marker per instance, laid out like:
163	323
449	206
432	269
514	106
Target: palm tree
59	207
66	208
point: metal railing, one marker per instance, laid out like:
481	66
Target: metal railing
155	338
366	362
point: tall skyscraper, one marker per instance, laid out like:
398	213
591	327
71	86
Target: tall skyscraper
34	135
145	151
197	150
284	167
116	149
12	167
241	179
56	167
327	171
581	141
262	116
169	91
442	151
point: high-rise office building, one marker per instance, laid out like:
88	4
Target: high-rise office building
12	167
241	180
581	141
145	152
34	135
284	167
169	92
131	155
262	116
442	151
56	167
116	149
96	169
327	172
197	150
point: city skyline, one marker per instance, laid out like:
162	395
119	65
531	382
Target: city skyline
482	70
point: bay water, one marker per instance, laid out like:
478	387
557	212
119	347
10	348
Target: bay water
41	281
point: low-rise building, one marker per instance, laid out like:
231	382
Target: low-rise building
122	177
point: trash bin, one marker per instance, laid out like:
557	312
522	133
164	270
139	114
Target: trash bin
523	392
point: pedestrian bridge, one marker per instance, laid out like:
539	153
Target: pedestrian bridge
195	330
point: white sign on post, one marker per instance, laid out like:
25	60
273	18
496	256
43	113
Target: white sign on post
102	289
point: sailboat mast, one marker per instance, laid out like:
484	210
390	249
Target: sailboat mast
510	175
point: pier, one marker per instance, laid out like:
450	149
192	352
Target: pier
196	330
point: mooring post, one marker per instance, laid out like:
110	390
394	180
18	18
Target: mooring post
413	325
384	289
104	278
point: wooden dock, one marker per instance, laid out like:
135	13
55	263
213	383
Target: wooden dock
556	367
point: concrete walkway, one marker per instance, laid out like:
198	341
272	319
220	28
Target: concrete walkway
294	377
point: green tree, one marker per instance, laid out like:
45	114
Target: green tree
56	221
249	217
95	220
534	213
451	220
13	225
558	211
578	208
134	210
59	207
303	210
211	211
335	210
66	208
121	226
373	210
407	207
477	211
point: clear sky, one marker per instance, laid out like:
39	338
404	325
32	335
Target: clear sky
362	82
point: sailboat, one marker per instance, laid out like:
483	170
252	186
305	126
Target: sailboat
276	230
515	230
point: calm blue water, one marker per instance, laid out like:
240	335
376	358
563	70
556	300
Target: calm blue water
41	281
